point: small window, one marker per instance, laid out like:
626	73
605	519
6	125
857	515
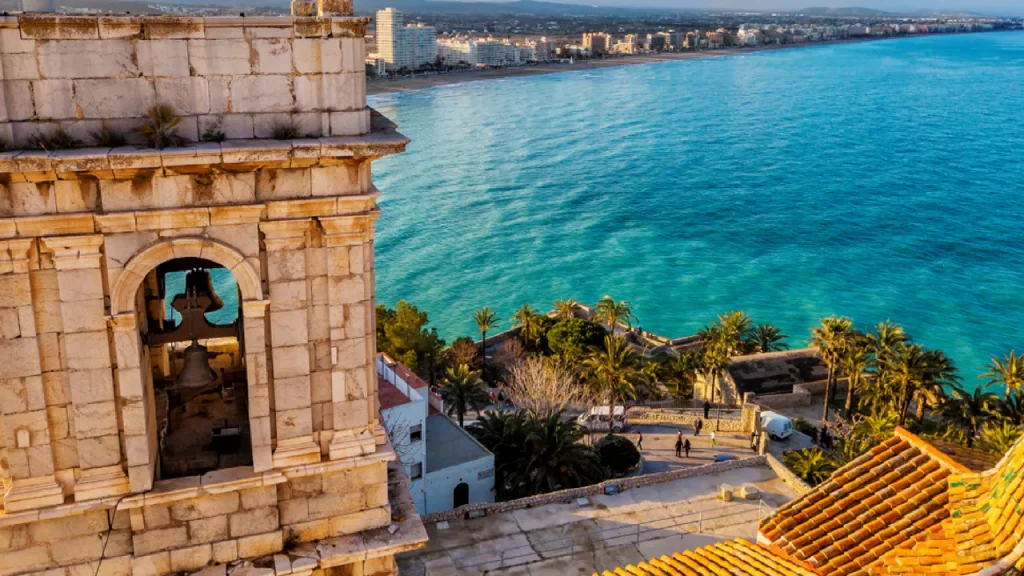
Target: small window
415	433
416	471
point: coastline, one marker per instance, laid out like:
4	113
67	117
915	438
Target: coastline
382	87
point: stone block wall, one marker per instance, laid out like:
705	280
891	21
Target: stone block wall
244	76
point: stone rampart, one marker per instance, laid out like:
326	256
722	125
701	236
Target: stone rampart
619	484
788	476
244	76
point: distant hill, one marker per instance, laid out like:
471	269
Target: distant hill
842	12
512	8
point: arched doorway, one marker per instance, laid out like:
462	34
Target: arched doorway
460	495
186	297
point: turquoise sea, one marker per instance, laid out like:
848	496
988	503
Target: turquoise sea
880	180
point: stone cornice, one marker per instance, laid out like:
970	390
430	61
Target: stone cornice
341	208
83	27
205	157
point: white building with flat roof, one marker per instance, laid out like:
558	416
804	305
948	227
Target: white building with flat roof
479	52
402	45
447	467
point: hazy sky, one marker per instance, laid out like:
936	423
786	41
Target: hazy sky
1011	7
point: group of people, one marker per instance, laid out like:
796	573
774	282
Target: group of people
823	438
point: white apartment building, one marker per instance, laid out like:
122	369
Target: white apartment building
543	49
404	46
479	52
597	42
447	467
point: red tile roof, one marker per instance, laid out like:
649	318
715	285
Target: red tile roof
905	507
389	395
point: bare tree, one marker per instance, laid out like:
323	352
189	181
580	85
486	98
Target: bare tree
398	433
543	385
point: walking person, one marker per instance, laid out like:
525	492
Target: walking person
697	427
640	442
707	409
679	447
686	446
712	438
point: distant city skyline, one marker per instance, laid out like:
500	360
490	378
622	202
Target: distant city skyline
1002	7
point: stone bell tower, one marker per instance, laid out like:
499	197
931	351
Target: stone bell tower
159	163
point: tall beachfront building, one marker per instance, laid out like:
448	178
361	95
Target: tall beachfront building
597	42
188	375
478	52
402	45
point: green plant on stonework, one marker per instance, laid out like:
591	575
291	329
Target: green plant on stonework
108	137
213	133
58	139
160	131
284	131
617	453
572	338
810	464
291	540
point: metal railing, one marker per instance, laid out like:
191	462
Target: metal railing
614	536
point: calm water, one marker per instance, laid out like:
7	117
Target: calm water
877	180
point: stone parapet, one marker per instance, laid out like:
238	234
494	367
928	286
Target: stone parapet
242	76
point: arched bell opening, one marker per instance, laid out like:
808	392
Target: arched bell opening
193	333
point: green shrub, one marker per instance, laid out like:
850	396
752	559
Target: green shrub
570	338
160	131
617	453
56	140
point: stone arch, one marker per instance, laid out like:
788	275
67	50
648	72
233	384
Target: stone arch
122	295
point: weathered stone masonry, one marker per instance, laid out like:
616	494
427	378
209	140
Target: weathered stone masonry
82	232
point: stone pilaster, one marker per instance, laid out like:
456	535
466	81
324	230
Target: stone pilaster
291	353
88	365
353	345
22	398
135	395
258	380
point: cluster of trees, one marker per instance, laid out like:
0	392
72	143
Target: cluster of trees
887	374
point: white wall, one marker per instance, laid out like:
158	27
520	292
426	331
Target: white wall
436	492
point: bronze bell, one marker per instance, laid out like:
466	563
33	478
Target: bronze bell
196	372
200	283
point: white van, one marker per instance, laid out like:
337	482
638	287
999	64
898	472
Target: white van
596	419
777	426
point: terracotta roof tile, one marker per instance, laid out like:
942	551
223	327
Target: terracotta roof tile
905	507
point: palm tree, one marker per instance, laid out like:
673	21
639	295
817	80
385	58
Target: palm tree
999	437
1008	372
485	321
504	434
614	370
735	329
715	351
555	459
612	312
876	426
811	464
968	411
855	363
906	370
939	374
567	308
767	338
463	390
831	339
1012	408
529	322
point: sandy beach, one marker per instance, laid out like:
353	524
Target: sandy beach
375	87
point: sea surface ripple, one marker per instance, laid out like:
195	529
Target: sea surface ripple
880	180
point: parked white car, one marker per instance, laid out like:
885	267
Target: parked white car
777	426
596	419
